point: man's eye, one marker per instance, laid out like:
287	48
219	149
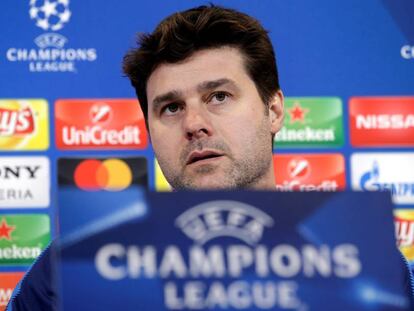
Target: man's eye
170	109
219	97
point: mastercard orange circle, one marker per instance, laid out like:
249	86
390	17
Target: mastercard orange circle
110	174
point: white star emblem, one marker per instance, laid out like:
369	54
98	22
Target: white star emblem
33	12
64	17
42	23
49	8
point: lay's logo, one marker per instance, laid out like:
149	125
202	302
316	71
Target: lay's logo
16	122
404	232
24	125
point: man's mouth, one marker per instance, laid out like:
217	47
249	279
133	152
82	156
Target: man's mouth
197	156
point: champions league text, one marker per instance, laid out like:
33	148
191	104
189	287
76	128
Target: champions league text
208	278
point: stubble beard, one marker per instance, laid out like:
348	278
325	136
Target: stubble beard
242	173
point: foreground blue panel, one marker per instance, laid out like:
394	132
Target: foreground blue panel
240	250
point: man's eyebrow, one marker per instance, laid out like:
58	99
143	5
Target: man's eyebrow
210	85
167	97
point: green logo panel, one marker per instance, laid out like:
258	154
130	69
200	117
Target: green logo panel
311	122
23	238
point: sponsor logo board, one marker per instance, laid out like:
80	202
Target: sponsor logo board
24	124
24	182
8	281
392	172
311	122
50	53
404	232
309	172
386	121
103	174
100	124
23	238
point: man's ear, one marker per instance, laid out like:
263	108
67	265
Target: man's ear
276	111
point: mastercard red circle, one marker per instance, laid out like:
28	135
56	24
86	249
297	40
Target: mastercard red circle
110	174
85	175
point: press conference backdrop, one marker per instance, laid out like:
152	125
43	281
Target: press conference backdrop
346	67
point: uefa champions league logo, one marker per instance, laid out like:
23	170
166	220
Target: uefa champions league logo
51	54
50	14
214	219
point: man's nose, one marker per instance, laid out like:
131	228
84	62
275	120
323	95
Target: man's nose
197	123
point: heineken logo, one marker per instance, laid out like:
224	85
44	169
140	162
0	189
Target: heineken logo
23	238
6	230
311	122
297	113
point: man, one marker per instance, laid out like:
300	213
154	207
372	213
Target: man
207	83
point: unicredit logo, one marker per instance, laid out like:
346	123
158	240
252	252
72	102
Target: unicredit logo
16	121
100	113
110	174
99	124
299	168
309	172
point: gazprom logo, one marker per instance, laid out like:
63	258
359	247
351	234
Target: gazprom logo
214	219
401	191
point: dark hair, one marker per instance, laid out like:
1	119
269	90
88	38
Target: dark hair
180	35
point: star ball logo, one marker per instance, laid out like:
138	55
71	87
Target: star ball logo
103	174
50	15
311	122
51	55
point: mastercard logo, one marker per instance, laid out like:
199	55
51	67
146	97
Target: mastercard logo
110	175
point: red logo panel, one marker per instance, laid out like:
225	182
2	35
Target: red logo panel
8	282
309	172
100	124
387	121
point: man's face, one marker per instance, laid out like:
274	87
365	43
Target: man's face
208	125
